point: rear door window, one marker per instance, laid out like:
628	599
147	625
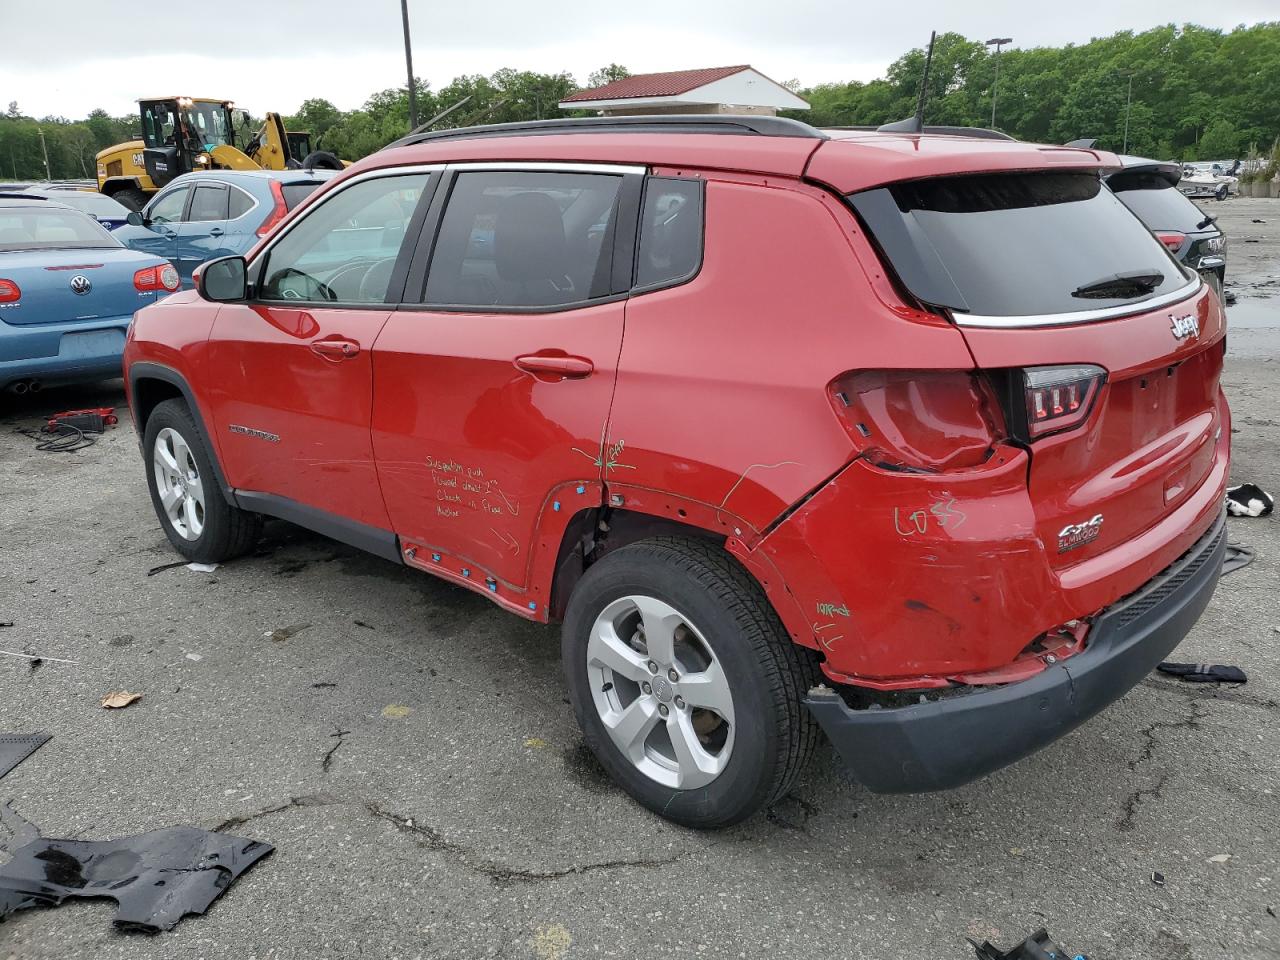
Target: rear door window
670	232
1156	203
239	203
1017	245
525	239
208	202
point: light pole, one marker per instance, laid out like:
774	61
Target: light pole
408	63
1128	105
996	42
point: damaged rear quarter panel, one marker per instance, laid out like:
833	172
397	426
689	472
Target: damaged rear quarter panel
722	384
913	575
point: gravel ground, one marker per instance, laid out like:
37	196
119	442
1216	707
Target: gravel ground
408	750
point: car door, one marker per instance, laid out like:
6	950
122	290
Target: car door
290	369
161	219
199	235
493	381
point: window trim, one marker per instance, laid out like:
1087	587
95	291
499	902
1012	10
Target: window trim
1187	290
395	286
624	239
638	290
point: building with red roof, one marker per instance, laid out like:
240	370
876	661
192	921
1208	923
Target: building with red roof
737	89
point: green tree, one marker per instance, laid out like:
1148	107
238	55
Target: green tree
612	72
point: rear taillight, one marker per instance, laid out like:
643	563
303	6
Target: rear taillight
156	278
919	419
277	212
1171	239
1059	398
9	292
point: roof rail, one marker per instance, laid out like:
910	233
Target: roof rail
981	132
683	123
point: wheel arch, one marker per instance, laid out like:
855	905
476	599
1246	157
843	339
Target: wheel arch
151	384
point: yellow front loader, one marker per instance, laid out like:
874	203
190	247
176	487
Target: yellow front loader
185	134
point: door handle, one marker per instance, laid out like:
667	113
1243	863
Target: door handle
215	232
559	368
335	349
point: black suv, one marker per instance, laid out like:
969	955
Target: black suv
1150	189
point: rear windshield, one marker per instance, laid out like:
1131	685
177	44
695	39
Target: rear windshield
295	193
1157	204
94	204
1016	245
51	229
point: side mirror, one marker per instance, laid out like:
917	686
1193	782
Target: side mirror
224	280
134	219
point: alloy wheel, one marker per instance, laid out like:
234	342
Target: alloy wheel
178	483
660	692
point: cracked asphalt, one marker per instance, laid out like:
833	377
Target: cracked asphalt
408	749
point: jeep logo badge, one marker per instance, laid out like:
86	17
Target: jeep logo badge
1188	326
80	284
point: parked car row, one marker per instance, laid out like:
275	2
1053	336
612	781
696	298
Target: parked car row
937	470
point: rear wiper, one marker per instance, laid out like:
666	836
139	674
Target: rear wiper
1209	218
1130	284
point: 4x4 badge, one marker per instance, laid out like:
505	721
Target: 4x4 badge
1188	326
1078	534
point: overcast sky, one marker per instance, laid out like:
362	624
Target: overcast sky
67	57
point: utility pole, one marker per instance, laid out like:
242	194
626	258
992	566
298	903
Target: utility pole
45	151
1128	104
408	63
996	42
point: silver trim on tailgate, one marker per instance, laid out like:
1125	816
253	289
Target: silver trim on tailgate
1082	316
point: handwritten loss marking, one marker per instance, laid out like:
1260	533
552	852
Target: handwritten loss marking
945	514
762	466
510	542
828	643
919	520
827	609
609	453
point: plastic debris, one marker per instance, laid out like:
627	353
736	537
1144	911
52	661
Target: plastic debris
395	711
16	747
1203	672
118	699
1249	500
1219	858
1157	878
157	878
1038	946
202	567
1237	557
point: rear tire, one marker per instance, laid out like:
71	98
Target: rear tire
132	197
743	736
185	491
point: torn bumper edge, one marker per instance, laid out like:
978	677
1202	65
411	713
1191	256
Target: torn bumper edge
949	742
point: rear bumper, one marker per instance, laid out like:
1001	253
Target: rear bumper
77	350
945	743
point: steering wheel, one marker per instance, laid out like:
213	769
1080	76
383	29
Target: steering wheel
313	289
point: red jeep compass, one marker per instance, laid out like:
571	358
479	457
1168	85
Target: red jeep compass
913	439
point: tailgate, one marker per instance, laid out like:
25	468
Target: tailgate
1149	439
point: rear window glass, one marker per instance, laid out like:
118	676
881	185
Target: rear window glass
295	193
51	230
1015	245
240	203
1156	203
670	232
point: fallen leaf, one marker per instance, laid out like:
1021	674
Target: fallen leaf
394	711
284	633
1219	858
119	698
534	743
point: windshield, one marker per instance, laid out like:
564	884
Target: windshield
51	228
1156	203
94	204
210	124
1017	245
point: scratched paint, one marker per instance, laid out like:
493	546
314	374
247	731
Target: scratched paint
755	466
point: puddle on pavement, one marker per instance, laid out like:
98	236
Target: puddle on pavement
1254	313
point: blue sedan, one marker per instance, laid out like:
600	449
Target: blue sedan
200	216
68	291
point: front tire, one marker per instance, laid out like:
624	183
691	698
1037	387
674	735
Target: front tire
684	682
132	197
195	515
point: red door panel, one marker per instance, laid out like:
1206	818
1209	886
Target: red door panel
291	392
478	417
